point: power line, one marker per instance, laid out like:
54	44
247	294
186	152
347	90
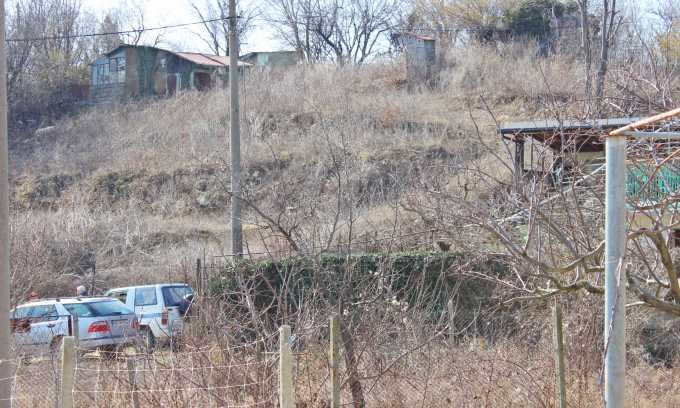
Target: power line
137	31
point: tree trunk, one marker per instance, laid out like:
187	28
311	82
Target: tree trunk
352	369
607	27
587	51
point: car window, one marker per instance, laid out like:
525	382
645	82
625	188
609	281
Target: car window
122	296
79	309
96	309
45	312
109	308
145	296
174	295
37	313
22	312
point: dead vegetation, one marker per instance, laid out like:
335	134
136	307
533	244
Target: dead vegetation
337	160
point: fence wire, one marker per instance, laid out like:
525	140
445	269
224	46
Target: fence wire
36	379
243	376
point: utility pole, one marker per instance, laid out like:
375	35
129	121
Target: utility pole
615	282
6	366
236	228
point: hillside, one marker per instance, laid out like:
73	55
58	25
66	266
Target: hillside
144	186
348	160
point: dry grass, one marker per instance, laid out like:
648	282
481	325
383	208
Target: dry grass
142	189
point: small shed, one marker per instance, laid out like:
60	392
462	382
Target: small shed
578	138
271	59
420	52
131	71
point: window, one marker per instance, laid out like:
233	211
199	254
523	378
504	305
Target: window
95	309
122	296
107	71
79	309
676	238
36	314
174	295
145	296
22	312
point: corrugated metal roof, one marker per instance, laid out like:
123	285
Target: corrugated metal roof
544	125
198	58
414	35
207	59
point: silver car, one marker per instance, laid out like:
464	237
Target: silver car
96	322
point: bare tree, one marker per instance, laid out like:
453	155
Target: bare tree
345	31
214	15
611	22
586	45
550	230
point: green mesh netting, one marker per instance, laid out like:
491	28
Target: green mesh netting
643	183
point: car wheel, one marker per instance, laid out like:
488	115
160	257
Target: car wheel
147	339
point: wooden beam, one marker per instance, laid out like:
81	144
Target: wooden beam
646	122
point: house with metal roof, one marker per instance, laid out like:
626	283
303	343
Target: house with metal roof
271	59
133	71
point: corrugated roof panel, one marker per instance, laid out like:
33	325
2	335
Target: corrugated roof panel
543	125
208	59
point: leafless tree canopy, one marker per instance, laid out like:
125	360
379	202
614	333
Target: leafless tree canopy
345	31
215	34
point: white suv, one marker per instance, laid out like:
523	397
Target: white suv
160	310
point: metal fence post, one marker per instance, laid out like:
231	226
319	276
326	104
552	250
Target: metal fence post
615	242
68	365
335	361
559	355
286	397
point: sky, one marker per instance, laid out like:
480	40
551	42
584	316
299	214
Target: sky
168	12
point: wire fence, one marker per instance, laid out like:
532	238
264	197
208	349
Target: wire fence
379	369
243	375
36	380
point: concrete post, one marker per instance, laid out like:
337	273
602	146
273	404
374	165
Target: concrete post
615	293
235	139
335	361
68	372
6	366
286	397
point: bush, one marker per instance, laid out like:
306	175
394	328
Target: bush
420	280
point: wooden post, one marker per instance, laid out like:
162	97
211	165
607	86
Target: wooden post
199	278
92	281
286	397
335	361
451	314
559	356
133	382
68	365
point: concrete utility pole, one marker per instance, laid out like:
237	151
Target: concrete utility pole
615	282
6	369
236	228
